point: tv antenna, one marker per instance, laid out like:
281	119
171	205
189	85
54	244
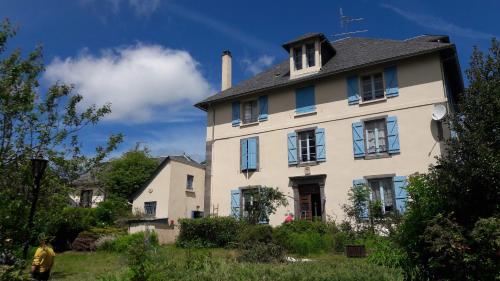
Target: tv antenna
345	21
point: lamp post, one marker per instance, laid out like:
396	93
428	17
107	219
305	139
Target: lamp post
38	165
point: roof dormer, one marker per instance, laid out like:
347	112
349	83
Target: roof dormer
308	53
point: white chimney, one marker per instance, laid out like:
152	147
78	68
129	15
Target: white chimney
226	70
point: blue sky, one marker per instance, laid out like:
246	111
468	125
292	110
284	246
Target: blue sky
153	59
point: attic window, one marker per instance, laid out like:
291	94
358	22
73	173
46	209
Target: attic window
297	58
310	55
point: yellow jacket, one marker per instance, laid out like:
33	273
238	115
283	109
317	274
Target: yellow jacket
44	258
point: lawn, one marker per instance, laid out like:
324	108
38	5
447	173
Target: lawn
170	263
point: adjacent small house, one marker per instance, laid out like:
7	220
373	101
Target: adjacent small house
87	192
174	191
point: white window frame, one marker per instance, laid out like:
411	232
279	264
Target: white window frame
299	146
153	203
372	83
253	119
189	184
381	191
377	138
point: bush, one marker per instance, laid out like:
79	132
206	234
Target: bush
71	222
208	232
262	252
385	252
306	237
123	243
249	234
113	208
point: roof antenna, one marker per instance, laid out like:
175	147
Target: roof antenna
345	21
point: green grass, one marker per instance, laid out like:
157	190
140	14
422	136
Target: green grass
170	263
86	266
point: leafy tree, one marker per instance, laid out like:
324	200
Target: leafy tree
265	202
123	176
34	122
456	205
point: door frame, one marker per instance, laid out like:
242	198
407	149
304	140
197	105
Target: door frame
304	180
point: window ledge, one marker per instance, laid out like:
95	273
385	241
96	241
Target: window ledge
243	125
384	99
377	156
190	191
298	115
306	164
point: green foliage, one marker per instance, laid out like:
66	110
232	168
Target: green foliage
262	252
305	237
125	242
384	252
123	176
34	122
250	234
456	202
112	209
140	248
208	232
265	202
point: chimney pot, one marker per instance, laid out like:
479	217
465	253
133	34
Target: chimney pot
226	70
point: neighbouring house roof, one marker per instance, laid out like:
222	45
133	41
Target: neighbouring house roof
351	54
177	158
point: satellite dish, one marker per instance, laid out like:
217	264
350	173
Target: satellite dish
439	112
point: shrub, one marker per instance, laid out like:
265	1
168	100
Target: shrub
208	232
385	252
262	252
255	233
112	209
306	237
124	242
71	222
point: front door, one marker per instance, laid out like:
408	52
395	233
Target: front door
310	206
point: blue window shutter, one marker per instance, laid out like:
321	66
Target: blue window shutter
244	154
352	90
400	193
305	100
359	183
236	113
320	145
292	148
235	203
192	214
391	81
358	141
252	154
262	108
393	134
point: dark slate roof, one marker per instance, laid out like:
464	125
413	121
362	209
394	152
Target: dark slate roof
351	54
304	37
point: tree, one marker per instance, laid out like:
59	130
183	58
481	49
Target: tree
453	214
263	202
33	122
123	176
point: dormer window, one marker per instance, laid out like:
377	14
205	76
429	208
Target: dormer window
310	55
297	58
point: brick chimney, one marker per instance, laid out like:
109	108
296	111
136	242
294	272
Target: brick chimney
226	70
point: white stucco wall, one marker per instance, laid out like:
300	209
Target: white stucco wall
420	87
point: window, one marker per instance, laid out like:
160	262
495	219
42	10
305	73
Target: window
249	154
307	146
189	182
197	214
86	198
310	55
150	208
372	86
297	58
376	136
253	210
250	112
305	100
382	190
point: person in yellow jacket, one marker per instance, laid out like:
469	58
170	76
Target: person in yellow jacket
43	260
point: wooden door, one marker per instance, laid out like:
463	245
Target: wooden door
305	207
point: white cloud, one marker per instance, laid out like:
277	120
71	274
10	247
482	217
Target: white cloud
439	24
144	83
258	65
140	7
